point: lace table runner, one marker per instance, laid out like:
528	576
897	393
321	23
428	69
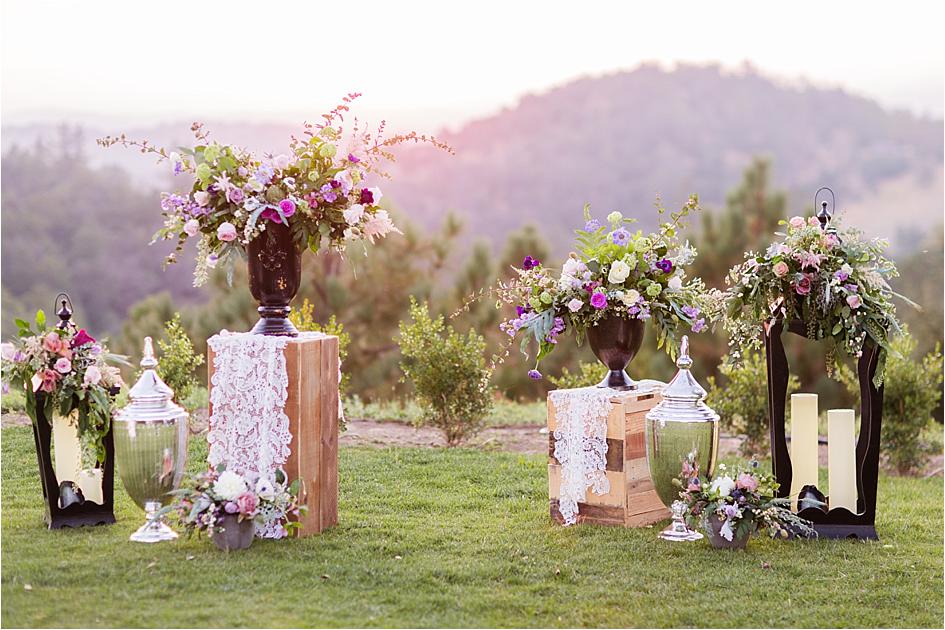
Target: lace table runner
581	444
249	429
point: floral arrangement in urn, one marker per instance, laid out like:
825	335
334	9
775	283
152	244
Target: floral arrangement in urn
218	499
616	281
315	196
735	504
836	282
66	372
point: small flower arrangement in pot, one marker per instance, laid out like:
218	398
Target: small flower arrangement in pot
608	289
229	506
734	505
834	282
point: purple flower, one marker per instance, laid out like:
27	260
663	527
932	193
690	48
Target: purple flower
699	325
335	183
592	226
530	263
231	507
620	236
599	300
665	265
852	288
235	195
288	207
535	375
329	196
353	158
590	286
521	310
367	197
264	173
841	275
556	329
690	311
731	511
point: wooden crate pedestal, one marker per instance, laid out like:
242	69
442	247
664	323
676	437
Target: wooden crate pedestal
312	407
632	500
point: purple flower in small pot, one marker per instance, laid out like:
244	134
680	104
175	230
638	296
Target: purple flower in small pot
535	375
592	226
530	263
665	265
599	300
367	197
620	236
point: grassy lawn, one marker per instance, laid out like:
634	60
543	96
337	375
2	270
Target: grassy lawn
435	537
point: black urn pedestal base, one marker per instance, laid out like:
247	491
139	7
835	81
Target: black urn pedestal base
615	341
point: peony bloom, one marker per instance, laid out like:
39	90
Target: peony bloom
81	338
379	225
797	222
353	214
202	198
854	301
802	284
63	365
229	486
575	305
93	376
247	503
192	227
599	300
619	271
746	482
52	342
265	489
226	232
722	485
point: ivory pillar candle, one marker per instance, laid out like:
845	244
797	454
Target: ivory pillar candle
803	443
841	450
65	439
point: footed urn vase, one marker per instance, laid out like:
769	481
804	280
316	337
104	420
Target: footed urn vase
275	273
615	341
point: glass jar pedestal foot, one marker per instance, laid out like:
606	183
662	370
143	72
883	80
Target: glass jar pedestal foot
678	531
155	529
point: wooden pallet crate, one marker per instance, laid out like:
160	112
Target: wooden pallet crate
632	500
312	407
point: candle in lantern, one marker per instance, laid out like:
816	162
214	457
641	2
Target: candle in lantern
841	448
68	460
803	443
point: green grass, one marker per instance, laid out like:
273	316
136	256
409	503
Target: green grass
476	548
504	412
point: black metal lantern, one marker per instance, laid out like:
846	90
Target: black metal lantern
66	506
838	522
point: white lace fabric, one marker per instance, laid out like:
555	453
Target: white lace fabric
249	429
581	444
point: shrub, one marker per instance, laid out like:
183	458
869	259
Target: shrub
448	372
742	400
588	374
178	363
913	390
304	320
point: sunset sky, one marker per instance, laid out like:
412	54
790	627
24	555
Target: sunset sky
431	62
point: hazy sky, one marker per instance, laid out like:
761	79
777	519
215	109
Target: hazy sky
438	62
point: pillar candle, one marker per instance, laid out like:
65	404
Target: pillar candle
803	443
841	464
69	460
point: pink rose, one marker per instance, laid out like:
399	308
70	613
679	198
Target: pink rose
247	503
93	376
63	365
813	222
803	284
599	300
780	269
288	207
854	301
746	482
797	222
226	232
52	342
81	338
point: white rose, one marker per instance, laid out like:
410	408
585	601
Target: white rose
202	197
354	214
573	267
265	489
722	485
192	227
618	272
229	485
631	297
675	283
575	305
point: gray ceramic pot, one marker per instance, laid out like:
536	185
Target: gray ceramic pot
236	534
712	525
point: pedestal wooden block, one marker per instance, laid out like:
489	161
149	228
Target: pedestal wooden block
312	407
632	500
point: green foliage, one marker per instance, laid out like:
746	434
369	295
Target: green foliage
913	389
304	319
178	362
448	372
741	401
589	373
